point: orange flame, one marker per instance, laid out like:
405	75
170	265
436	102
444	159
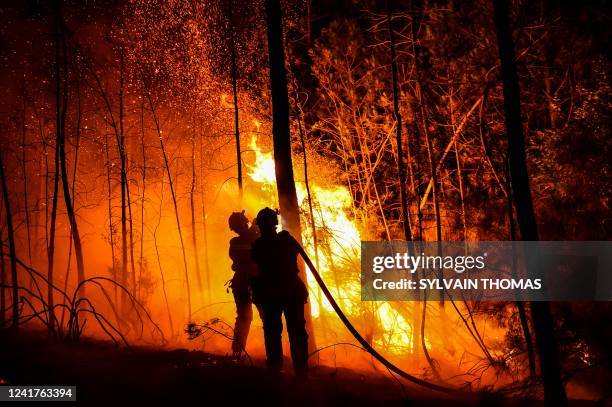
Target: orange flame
339	242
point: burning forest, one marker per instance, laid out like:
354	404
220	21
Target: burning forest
134	129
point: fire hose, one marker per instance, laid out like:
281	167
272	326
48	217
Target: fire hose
385	362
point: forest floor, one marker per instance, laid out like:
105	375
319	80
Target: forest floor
107	375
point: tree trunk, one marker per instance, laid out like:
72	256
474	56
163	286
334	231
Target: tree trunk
106	99
76	237
121	146
418	112
74	174
110	214
144	182
519	305
302	130
235	95
554	392
194	230
204	222
433	173
418	175
126	201
11	239
285	183
2	283
432	364
434	190
176	211
159	264
416	318
24	131
135	284
398	131
56	175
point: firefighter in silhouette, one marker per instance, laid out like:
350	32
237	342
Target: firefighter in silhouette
244	269
278	290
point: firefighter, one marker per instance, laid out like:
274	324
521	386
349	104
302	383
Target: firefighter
244	269
278	290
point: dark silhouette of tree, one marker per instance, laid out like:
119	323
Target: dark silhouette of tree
520	306
11	239
192	208
2	283
401	166
285	183
56	176
554	392
24	169
124	184
173	194
61	141
235	94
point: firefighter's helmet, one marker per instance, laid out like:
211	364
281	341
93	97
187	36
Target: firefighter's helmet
266	217
237	221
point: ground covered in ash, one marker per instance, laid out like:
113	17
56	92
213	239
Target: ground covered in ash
107	375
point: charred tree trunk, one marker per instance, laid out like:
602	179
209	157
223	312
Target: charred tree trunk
126	203
554	392
40	202
313	225
110	214
121	146
174	202
204	221
56	174
430	361
159	264
433	173
144	184
74	175
11	239
519	305
422	91
419	115
76	237
125	180
285	183
115	126
135	284
194	230
401	167
417	340
418	175
235	95
299	115
434	191
2	283
24	169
